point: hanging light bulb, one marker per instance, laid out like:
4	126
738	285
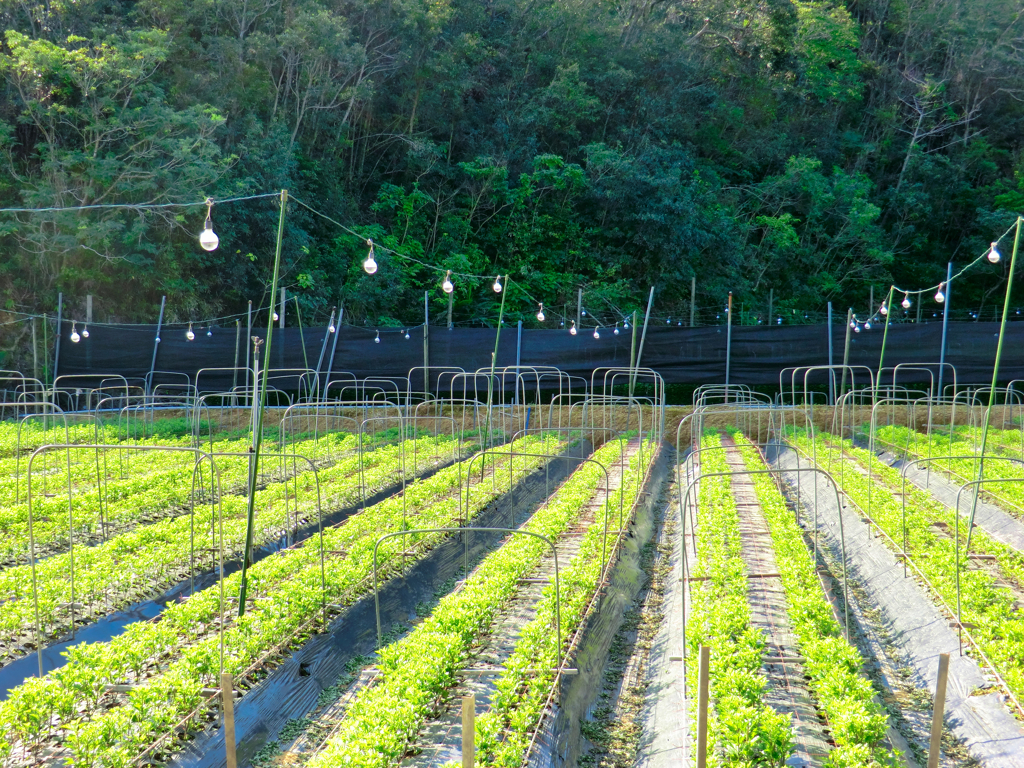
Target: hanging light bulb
626	325
596	334
407	336
856	329
939	295
85	330
497	284
584	312
447	286
993	254
867	326
778	321
572	331
883	310
540	314
209	330
208	238
377	340
906	301
189	334
331	328
275	317
853	324
75	338
668	321
616	331
157	339
370	265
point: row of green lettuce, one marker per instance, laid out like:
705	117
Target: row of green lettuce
169	662
416	671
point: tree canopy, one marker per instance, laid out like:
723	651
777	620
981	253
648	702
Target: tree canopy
806	149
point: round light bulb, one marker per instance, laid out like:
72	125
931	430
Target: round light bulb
208	238
596	334
189	334
993	254
856	329
275	317
540	314
867	326
75	338
407	336
906	301
883	310
370	265
85	331
209	331
584	312
497	284
626	325
377	339
853	325
616	331
778	321
939	295
572	331
157	339
447	286
331	328
668	321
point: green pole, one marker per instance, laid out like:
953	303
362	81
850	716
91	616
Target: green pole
885	337
257	432
494	355
992	391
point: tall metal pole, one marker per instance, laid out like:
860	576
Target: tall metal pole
579	309
156	344
238	338
323	347
248	336
494	356
831	373
728	346
643	338
519	357
334	347
426	343
771	304
945	324
846	349
992	390
280	314
60	318
693	300
35	350
885	335
257	437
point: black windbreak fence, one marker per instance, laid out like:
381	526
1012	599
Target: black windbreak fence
680	355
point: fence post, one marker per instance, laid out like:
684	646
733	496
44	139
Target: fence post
728	346
468	730
693	300
227	692
702	707
831	373
156	344
937	711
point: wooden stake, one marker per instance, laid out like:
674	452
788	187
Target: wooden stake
702	707
468	730
937	711
227	692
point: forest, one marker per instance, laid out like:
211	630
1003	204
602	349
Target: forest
790	151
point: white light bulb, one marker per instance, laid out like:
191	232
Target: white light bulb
883	310
75	338
616	331
596	334
939	295
331	328
626	325
906	301
407	336
208	238
867	326
275	317
778	321
157	339
668	321
497	284
377	339
584	312
993	254
540	314
189	334
209	331
853	324
447	286
85	331
856	329
370	265
572	331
